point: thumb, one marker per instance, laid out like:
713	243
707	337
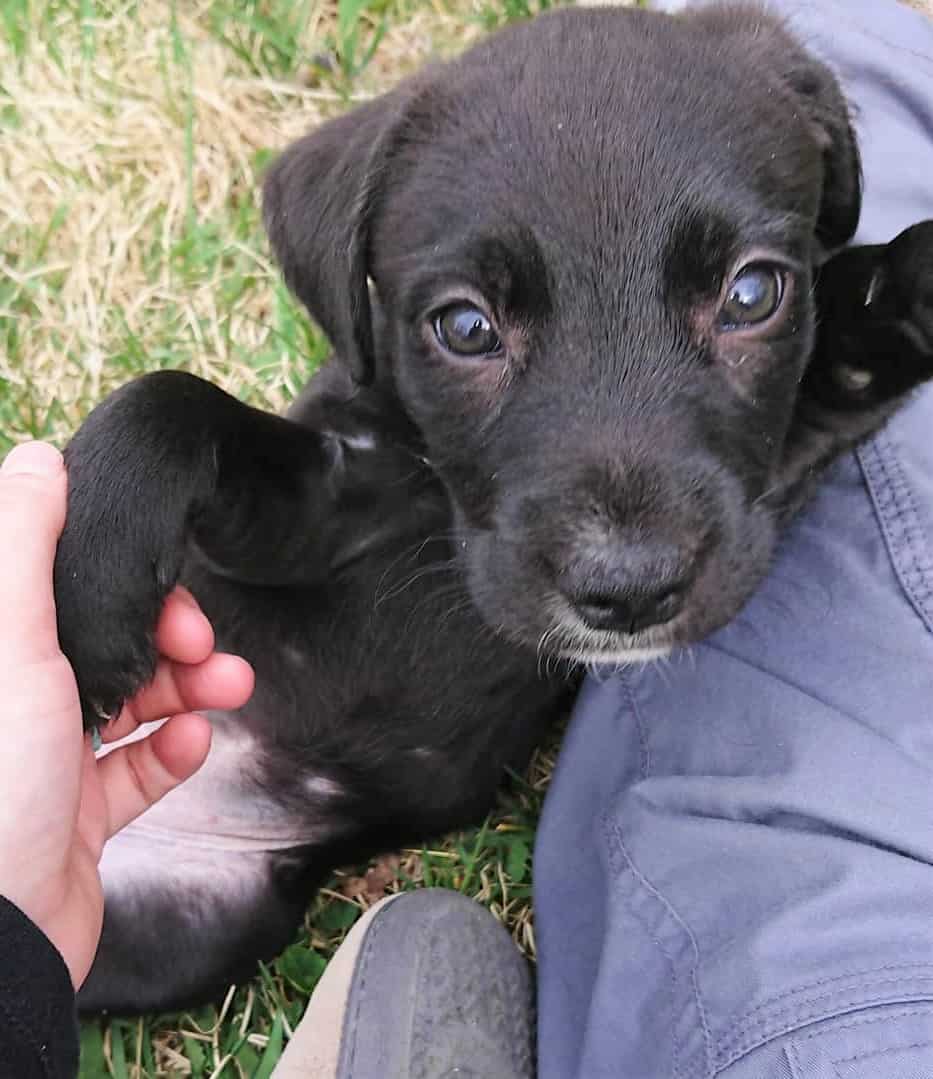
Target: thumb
33	495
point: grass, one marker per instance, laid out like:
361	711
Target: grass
246	1034
133	134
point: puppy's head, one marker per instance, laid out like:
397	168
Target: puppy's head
591	241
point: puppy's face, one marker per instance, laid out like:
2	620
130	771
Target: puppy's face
592	241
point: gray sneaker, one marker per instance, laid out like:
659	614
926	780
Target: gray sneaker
427	985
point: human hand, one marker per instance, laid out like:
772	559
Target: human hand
59	804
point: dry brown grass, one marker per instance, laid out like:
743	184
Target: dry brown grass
142	137
131	151
130	161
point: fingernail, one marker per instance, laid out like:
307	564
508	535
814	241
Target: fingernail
182	594
32	459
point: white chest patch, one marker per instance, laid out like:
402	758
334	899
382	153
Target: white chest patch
213	835
224	806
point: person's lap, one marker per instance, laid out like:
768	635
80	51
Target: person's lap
734	871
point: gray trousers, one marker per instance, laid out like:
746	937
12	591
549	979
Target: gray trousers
734	870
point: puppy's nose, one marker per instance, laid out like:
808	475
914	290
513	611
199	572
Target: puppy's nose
628	612
637	589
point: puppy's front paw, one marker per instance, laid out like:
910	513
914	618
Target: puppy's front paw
906	284
876	304
111	578
166	458
135	468
110	646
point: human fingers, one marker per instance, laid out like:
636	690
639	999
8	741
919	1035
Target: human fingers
221	681
33	491
135	776
183	632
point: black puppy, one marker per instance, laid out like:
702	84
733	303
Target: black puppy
590	357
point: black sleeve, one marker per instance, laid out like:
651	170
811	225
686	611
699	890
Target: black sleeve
38	1027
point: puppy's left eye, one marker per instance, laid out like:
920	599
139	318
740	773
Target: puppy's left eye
754	296
465	331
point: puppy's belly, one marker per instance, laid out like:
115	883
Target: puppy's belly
218	831
145	874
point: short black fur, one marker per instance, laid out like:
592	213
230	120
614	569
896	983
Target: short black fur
419	555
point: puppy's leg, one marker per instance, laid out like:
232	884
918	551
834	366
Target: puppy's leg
164	461
182	922
876	323
211	879
874	345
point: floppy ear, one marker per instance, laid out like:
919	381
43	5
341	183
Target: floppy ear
318	200
826	108
815	91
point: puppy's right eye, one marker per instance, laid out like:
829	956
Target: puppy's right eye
464	330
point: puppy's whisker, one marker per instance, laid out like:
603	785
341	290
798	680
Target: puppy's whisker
411	553
399	587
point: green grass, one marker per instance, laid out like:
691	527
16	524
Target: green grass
133	136
133	140
247	1034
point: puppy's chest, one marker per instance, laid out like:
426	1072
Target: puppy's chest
227	807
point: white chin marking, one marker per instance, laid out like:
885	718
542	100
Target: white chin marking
570	638
620	657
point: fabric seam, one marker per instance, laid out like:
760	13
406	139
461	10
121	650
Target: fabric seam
881	1052
645	768
896	513
832	1004
609	828
868	32
865	1021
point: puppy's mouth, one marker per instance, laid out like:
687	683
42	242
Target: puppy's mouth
570	638
518	593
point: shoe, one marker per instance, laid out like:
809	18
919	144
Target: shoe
427	985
